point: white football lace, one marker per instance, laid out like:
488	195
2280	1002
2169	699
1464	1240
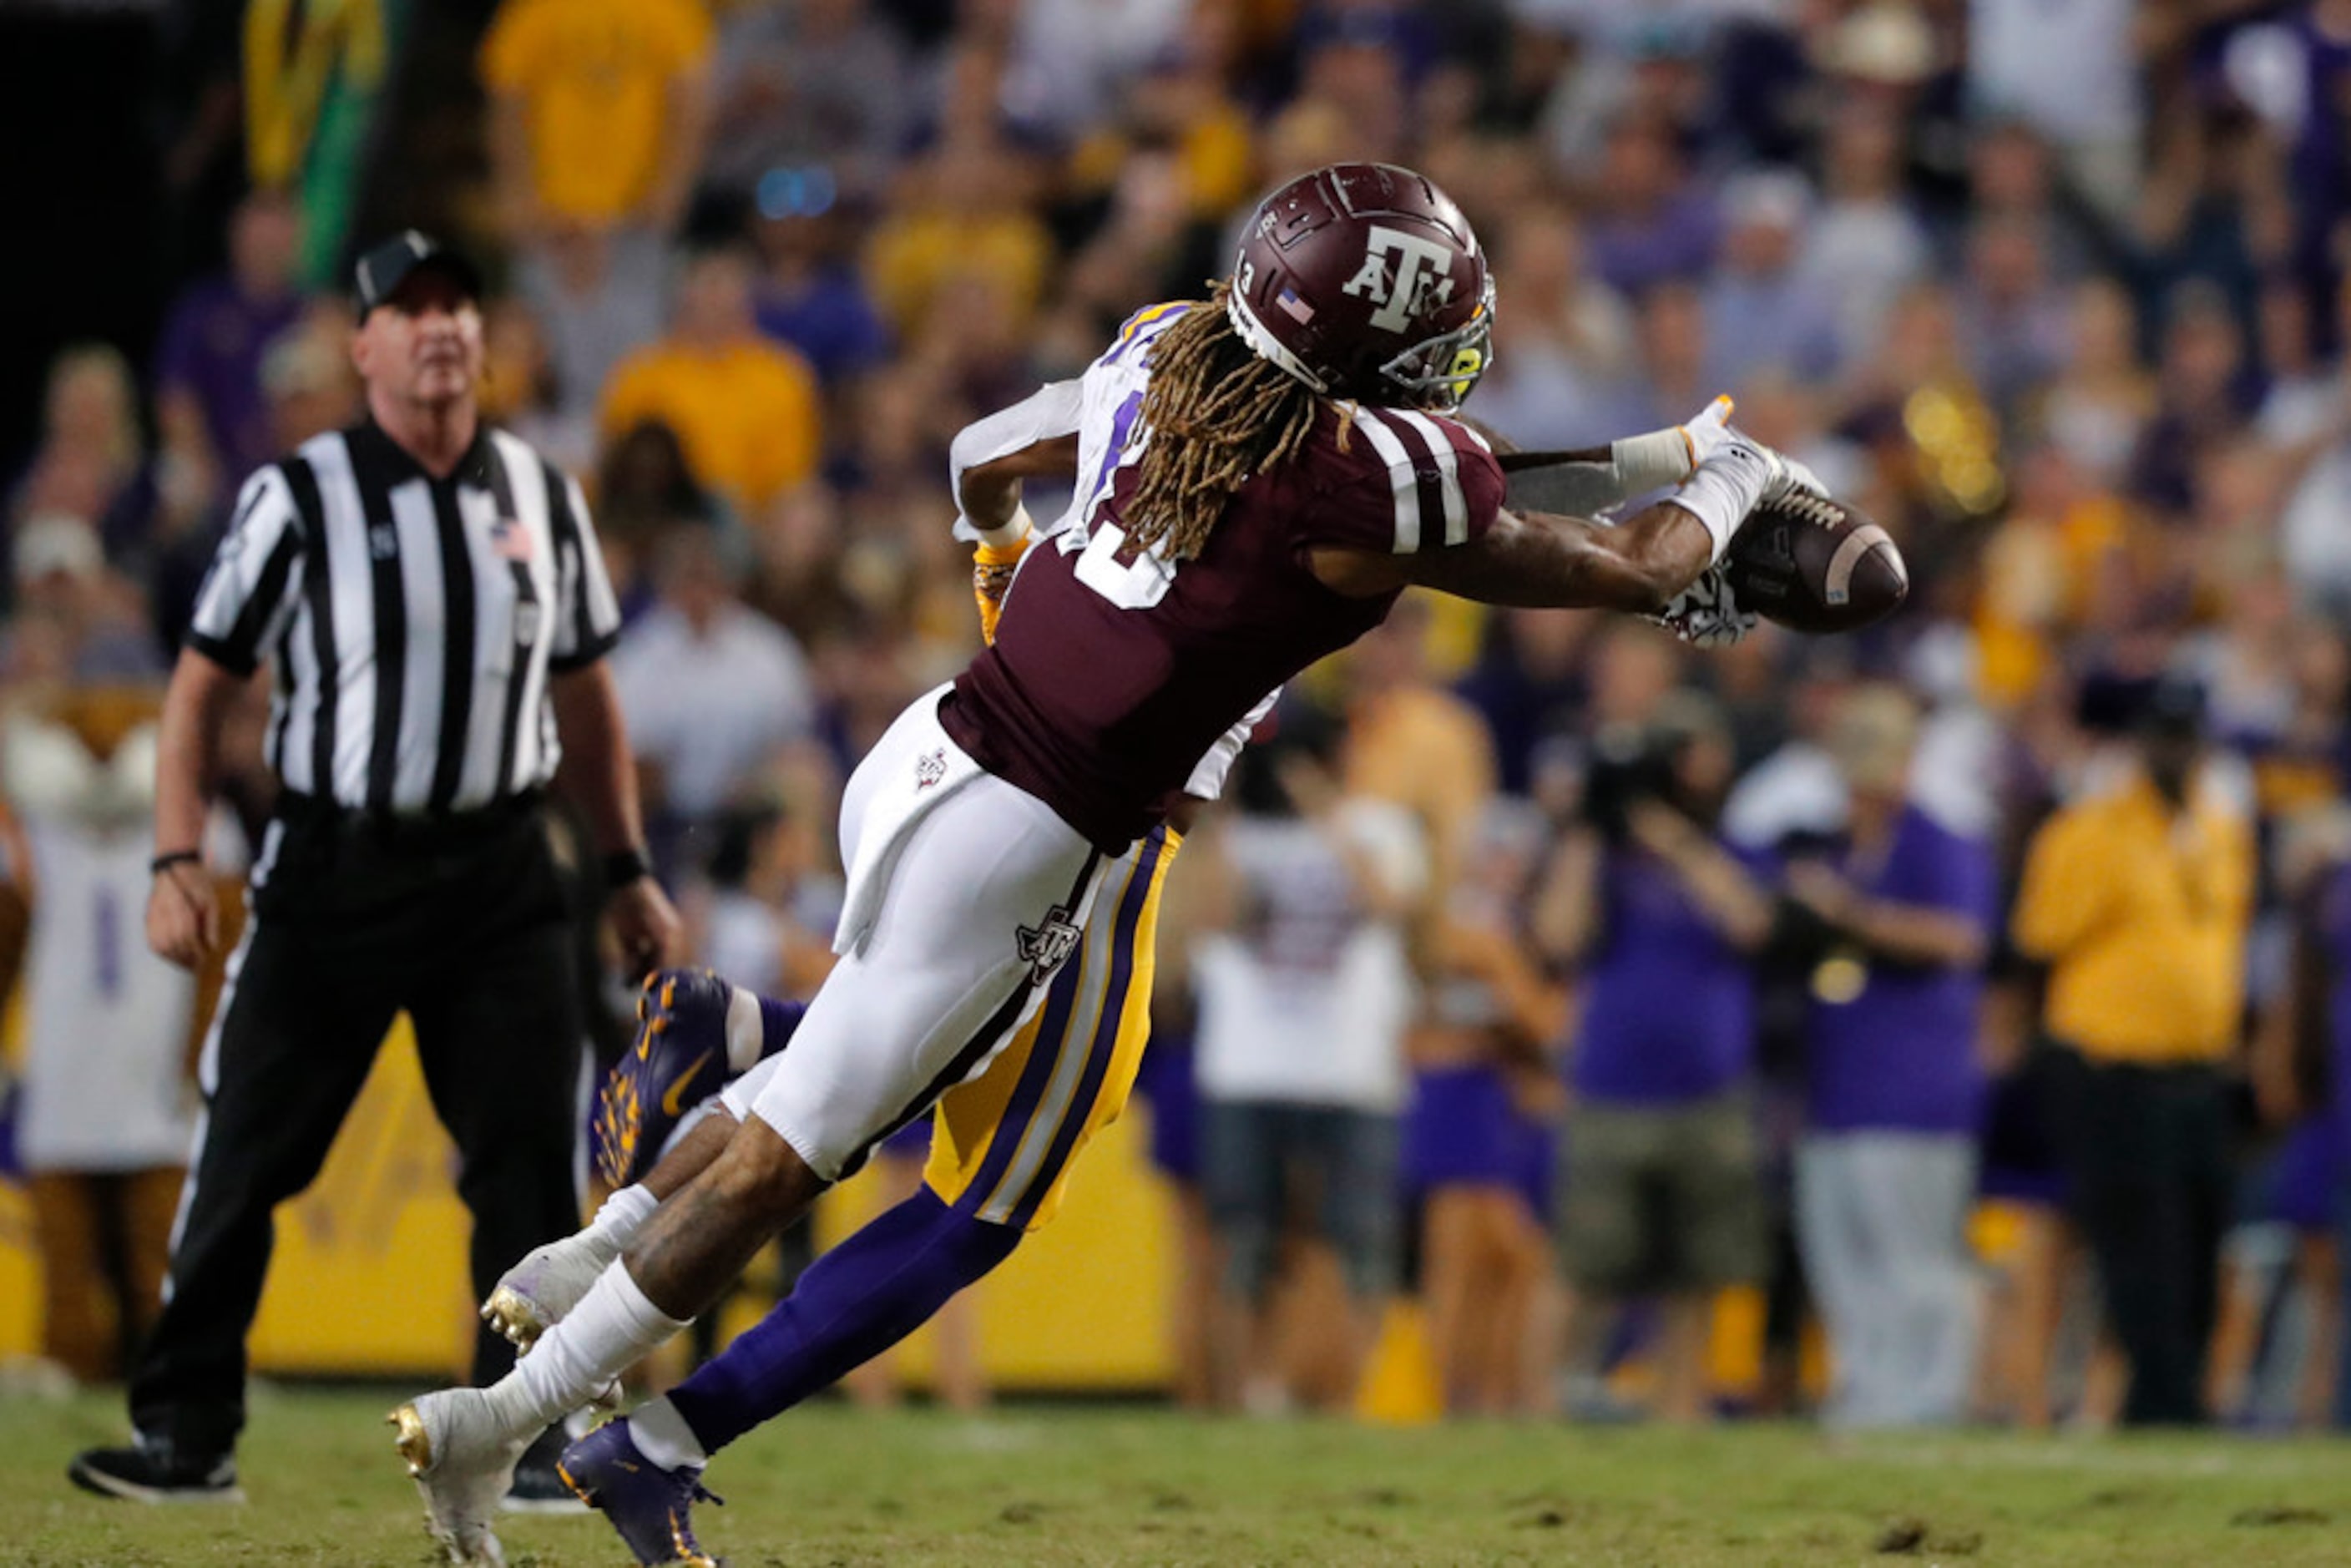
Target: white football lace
1816	509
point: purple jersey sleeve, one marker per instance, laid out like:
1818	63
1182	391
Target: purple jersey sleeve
1421	482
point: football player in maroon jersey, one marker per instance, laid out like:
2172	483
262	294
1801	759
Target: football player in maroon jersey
1259	476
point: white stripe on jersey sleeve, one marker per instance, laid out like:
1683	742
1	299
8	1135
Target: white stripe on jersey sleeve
596	597
264	514
1402	478
1448	475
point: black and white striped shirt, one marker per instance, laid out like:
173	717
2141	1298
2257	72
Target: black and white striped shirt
415	621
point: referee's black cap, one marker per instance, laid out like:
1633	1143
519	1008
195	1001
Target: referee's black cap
380	272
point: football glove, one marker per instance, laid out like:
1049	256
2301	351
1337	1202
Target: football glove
1706	614
991	574
1802	477
1788	476
1704	435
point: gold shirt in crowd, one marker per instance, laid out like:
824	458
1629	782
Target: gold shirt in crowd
594	77
2141	916
749	416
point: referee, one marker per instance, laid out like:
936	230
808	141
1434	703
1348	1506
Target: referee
435	604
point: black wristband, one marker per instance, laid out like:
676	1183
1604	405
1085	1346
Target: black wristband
164	863
622	867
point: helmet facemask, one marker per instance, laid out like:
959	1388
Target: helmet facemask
1438	373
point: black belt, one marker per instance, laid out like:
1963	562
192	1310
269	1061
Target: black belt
407	830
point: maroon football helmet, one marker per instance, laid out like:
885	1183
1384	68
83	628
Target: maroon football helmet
1363	281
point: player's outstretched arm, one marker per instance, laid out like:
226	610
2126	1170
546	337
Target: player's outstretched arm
1542	561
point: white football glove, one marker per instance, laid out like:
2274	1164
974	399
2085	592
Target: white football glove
1705	433
1802	477
1706	614
1788	476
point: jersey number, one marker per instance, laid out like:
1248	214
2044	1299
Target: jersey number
1136	582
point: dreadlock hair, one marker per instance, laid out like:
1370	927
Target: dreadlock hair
1218	415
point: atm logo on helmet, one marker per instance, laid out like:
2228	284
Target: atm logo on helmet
1423	278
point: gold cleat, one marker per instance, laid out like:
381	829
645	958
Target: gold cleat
516	1317
415	1444
462	1468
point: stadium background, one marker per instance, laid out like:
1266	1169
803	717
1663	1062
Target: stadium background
2075	497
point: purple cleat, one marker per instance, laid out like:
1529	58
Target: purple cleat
679	1059
650	1507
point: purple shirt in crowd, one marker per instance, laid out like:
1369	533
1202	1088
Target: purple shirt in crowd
1675	243
1901	1055
832	322
1669	1004
211	348
2316	161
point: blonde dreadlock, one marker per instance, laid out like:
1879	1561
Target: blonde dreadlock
1218	416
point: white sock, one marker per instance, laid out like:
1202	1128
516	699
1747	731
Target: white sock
662	1436
611	1329
618	1219
747	1031
1723	490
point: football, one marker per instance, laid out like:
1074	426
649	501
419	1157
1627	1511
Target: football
1813	564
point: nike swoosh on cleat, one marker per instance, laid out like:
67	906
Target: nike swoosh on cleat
670	1100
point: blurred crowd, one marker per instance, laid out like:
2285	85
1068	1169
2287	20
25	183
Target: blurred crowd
1532	946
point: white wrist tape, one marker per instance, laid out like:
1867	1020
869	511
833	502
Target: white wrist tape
1651	461
1723	491
1010	534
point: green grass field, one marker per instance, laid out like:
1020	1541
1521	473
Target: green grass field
1050	1484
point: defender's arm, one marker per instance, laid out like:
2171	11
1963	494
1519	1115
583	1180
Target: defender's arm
989	494
1584	481
1035	438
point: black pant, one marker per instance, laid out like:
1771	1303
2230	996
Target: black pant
2147	1152
462	924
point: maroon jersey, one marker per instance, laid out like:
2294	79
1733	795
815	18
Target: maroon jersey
1112	672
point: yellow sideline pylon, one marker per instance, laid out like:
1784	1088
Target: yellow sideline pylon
1400	1385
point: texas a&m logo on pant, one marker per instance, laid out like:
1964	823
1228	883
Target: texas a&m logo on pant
1048	944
